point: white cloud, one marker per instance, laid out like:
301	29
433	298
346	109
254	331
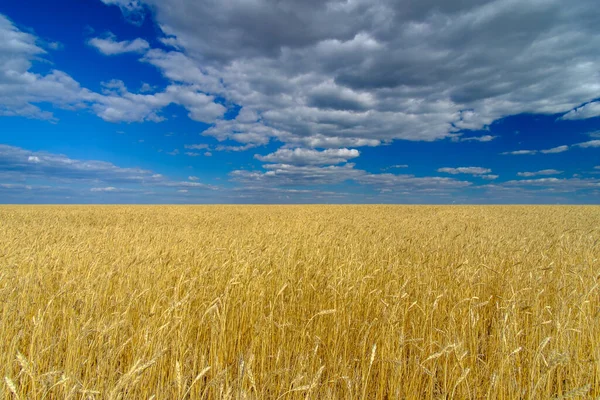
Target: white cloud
180	68
196	146
117	104
335	74
132	10
193	178
520	152
247	128
114	190
374	71
185	184
328	142
235	148
20	166
26	164
287	175
22	90
146	87
594	134
294	175
541	172
490	176
109	46
196	154
395	166
411	183
465	170
564	184
300	156
591	143
589	110
554	150
484	138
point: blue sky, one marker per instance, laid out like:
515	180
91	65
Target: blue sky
179	101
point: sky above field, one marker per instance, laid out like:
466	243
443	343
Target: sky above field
284	101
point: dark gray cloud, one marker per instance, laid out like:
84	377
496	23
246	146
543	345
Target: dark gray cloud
332	74
380	70
343	74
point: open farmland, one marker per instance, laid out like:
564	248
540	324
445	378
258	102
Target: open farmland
294	302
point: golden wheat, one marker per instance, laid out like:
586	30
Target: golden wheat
294	302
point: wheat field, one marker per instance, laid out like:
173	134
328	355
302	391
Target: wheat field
299	302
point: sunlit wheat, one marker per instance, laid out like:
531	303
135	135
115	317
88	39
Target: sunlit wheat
296	302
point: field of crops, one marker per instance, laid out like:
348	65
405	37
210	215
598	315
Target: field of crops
295	302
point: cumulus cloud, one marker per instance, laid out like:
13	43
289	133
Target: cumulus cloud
465	170
309	157
246	128
541	172
117	104
338	74
378	70
328	142
20	88
110	46
22	91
